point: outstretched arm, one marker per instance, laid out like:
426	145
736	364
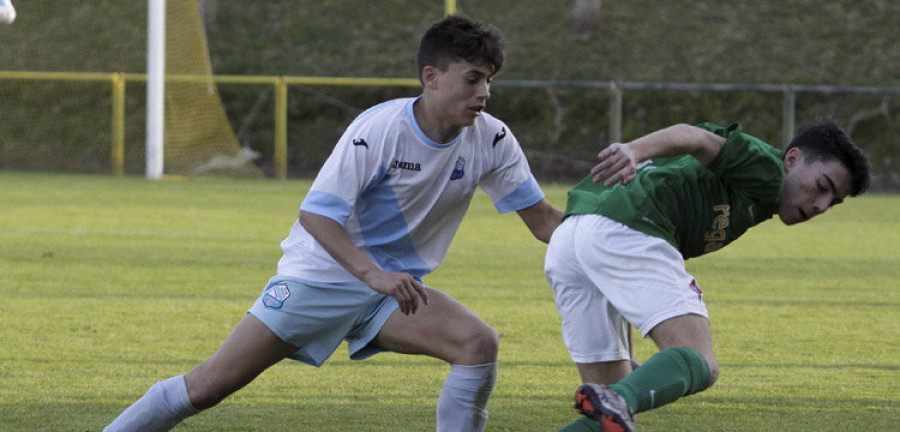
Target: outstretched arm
541	218
618	162
334	238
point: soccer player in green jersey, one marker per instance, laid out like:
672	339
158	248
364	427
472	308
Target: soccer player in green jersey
649	204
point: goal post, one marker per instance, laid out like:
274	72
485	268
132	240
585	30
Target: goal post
156	75
188	131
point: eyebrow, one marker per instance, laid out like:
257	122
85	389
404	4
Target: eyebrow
837	199
478	73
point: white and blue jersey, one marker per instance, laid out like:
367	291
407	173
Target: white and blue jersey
400	196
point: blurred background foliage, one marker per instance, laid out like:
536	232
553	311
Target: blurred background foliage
832	42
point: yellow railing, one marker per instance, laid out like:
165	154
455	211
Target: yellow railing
280	84
117	155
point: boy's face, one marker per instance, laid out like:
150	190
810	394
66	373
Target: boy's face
811	187
462	91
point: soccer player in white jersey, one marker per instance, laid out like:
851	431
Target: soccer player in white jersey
380	216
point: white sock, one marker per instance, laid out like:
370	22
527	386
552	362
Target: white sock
163	406
462	405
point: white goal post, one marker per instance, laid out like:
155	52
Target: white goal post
156	87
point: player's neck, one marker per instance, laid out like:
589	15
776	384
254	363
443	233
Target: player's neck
430	123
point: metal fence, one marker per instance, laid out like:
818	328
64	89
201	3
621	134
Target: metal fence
617	92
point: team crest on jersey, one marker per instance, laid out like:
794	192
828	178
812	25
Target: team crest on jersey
275	296
459	169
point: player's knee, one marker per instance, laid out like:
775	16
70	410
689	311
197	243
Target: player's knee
204	396
713	367
701	370
207	391
481	347
713	371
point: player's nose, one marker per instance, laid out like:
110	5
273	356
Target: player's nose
821	204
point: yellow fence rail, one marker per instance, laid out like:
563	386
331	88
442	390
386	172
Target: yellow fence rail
280	84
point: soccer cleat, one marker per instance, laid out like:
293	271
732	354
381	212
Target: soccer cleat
604	406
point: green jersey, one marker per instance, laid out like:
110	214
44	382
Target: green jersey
696	208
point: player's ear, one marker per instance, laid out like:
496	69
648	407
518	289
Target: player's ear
792	157
429	77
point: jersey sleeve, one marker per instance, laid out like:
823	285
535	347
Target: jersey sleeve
747	164
355	163
511	185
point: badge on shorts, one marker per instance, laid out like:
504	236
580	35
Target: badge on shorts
276	295
694	287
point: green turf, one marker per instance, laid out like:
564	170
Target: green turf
110	284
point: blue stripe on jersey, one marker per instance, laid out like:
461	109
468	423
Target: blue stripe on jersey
526	195
385	230
326	204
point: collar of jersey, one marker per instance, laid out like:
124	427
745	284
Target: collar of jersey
415	125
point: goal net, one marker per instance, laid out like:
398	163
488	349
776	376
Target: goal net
58	92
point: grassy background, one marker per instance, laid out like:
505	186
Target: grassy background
110	284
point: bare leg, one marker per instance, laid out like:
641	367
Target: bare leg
690	331
250	349
448	330
604	372
684	365
444	329
609	372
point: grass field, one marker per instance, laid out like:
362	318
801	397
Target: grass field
110	284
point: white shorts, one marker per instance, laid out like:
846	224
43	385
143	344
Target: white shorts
604	276
318	317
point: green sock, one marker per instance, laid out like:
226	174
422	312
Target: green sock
663	378
583	424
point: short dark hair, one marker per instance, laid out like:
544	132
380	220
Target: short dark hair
824	140
456	38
